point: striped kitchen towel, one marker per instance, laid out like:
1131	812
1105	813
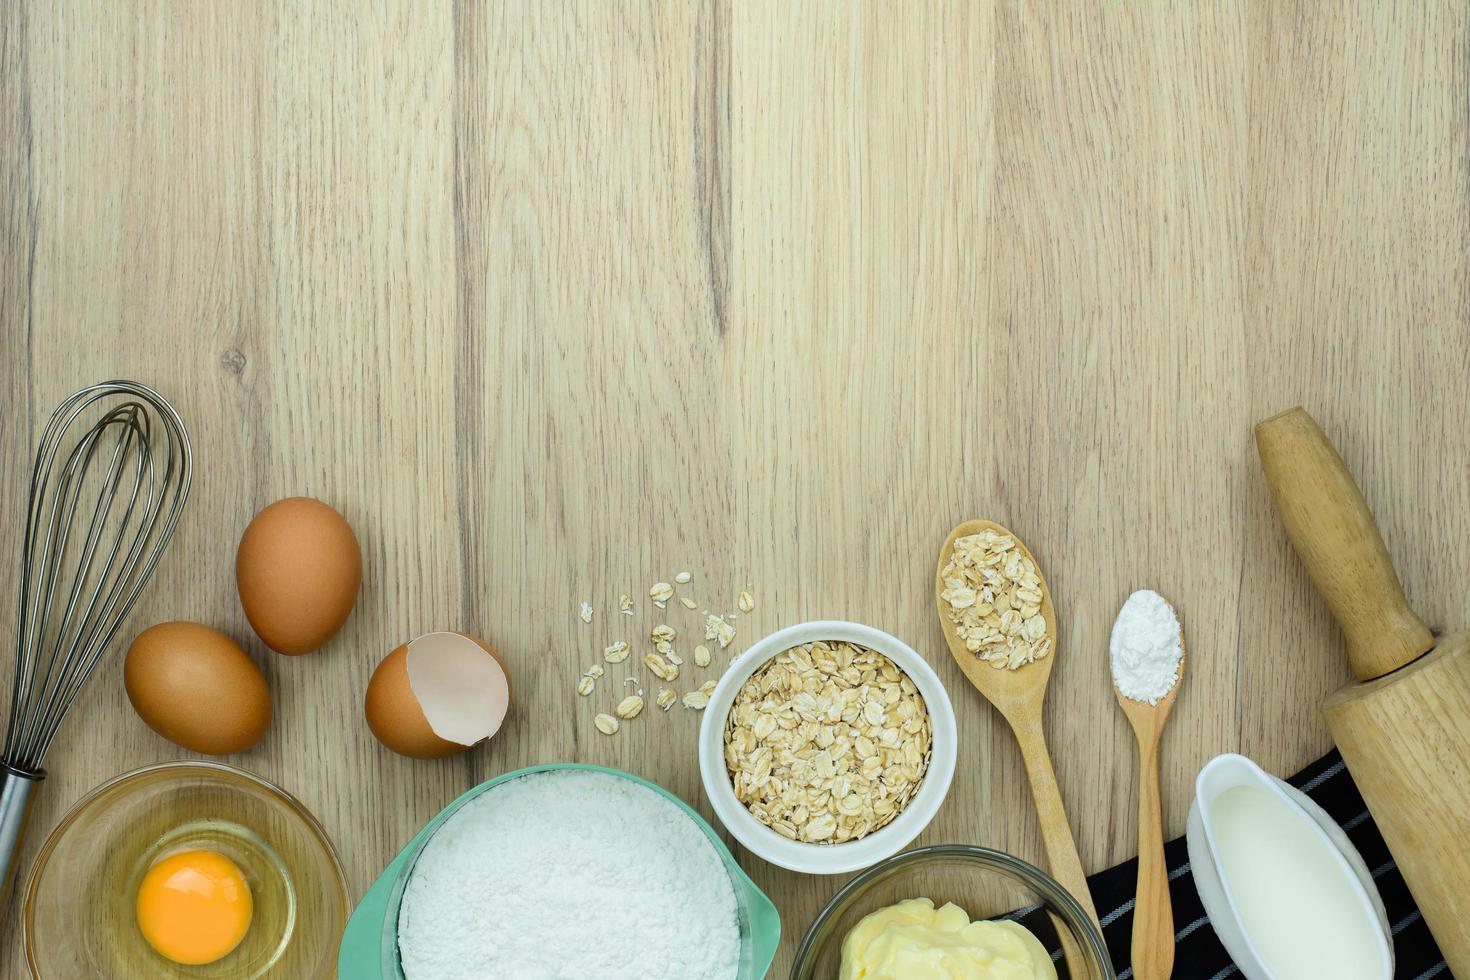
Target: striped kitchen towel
1198	954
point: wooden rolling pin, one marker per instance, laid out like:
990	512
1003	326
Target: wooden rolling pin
1404	726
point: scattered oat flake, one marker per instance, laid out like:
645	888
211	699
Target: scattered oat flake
746	601
688	602
666	697
616	653
683	578
697	700
661	593
715	628
660	667
701	656
594	672
630	707
584	612
606	724
625	604
663	633
584	686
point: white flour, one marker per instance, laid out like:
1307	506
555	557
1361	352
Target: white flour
569	876
1146	647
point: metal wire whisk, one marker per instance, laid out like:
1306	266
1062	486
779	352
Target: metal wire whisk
111	477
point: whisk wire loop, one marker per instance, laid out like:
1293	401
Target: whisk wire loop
67	644
82	573
85	649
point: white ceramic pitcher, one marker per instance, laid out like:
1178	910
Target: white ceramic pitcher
1225	772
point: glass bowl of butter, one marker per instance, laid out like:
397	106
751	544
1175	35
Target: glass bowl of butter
971	910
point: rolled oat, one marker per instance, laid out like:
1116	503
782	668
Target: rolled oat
993	596
827	742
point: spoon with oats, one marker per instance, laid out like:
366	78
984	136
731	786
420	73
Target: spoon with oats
998	619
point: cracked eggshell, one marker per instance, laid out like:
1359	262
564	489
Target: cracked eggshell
437	695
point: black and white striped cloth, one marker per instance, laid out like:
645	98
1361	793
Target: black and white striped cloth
1198	954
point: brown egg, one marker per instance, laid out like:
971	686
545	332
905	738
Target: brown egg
298	570
469	695
194	686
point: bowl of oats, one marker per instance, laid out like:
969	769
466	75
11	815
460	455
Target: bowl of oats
828	746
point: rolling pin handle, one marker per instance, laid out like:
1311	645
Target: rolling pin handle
1334	533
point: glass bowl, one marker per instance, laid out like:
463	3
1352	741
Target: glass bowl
79	918
985	883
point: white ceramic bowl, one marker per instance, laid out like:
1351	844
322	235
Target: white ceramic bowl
764	842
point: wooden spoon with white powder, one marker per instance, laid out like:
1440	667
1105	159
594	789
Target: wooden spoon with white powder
1147	652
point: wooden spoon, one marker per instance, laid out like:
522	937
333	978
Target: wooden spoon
1153	911
1018	696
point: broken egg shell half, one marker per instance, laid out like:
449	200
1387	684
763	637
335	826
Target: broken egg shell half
437	695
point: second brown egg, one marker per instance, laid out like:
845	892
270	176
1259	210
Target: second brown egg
194	686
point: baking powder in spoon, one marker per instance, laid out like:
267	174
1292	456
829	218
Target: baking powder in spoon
1146	647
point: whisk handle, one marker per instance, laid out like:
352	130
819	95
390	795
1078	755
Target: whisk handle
15	806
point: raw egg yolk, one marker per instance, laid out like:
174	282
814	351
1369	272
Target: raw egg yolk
194	907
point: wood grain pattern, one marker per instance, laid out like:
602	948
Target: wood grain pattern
556	299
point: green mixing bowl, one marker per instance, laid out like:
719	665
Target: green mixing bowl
369	948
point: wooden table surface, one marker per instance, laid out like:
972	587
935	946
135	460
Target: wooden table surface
554	300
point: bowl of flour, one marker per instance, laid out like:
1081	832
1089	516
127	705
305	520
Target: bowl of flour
560	872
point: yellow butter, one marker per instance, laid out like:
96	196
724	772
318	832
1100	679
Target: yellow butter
913	940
